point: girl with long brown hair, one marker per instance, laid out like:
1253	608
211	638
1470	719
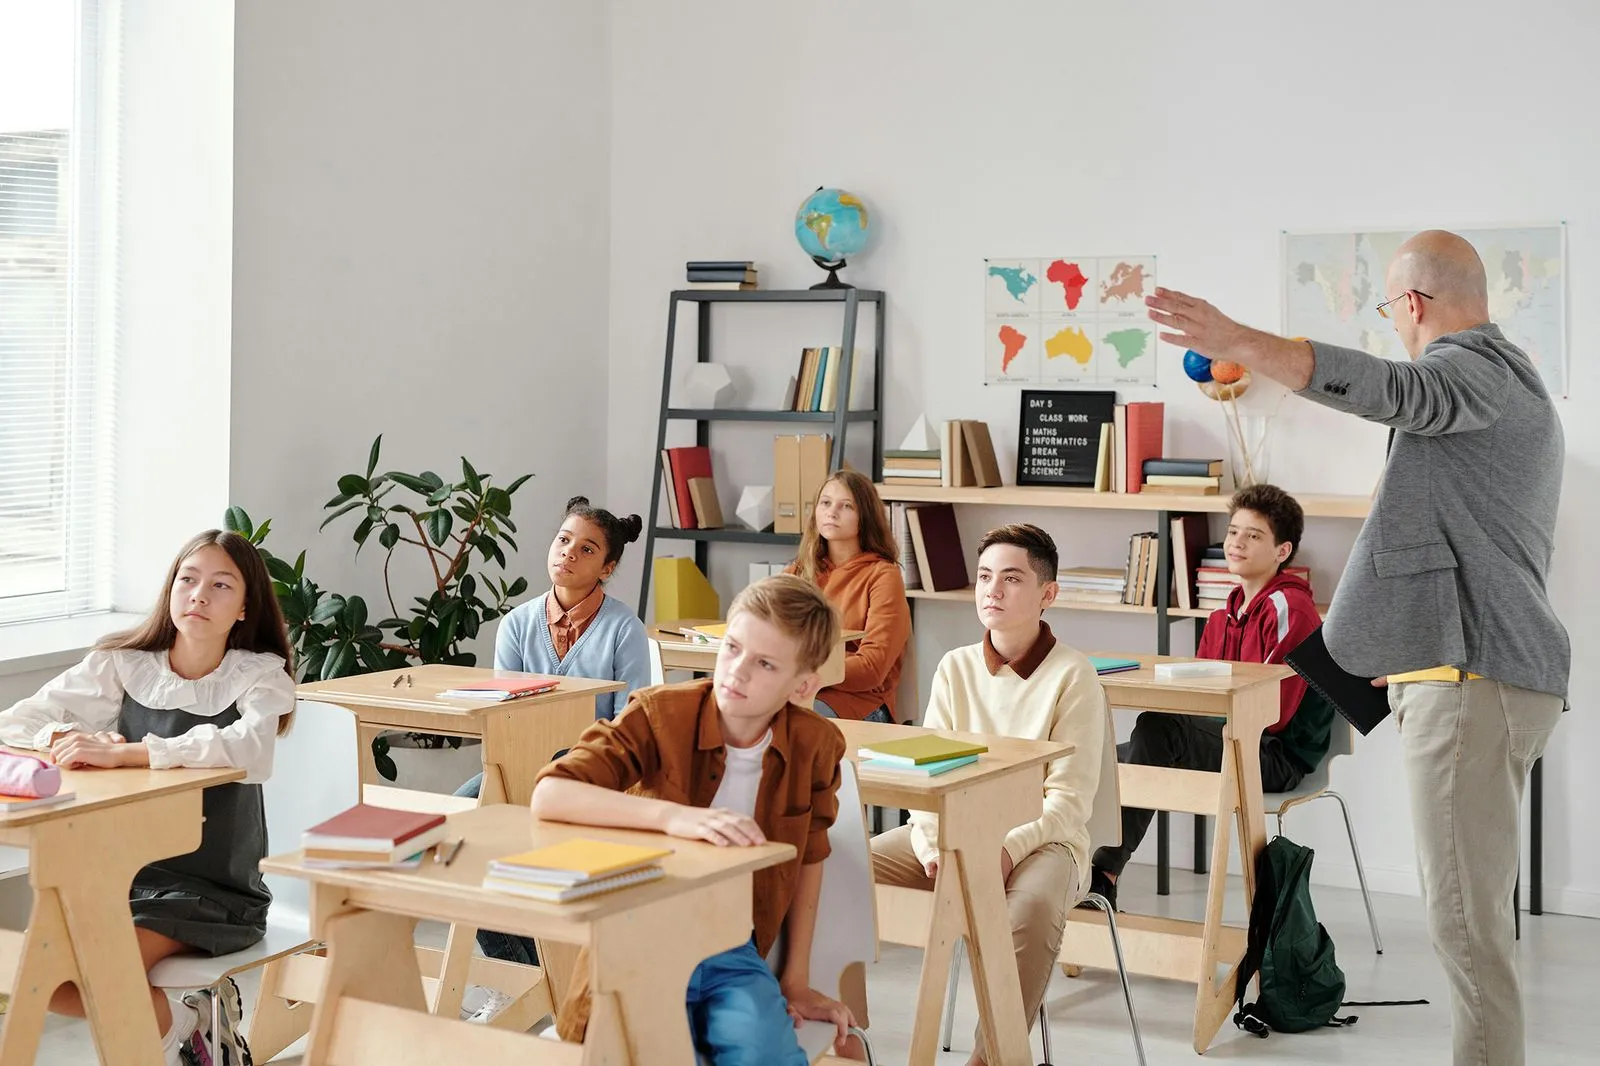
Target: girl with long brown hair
204	681
848	551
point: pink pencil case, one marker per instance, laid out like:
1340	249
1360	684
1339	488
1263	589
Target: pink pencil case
26	776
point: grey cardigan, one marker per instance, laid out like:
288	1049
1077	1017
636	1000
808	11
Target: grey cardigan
1450	567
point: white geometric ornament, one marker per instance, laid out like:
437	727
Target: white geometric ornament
707	386
922	438
755	507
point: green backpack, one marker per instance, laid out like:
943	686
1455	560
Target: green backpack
1301	986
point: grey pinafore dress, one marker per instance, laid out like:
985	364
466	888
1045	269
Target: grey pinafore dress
213	899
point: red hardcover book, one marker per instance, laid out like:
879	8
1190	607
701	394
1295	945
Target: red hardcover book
938	541
1144	440
379	826
688	463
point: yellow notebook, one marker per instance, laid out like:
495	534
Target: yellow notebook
713	630
575	861
916	751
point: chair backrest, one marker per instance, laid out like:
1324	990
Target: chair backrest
907	708
316	773
1105	819
658	673
847	926
1341	738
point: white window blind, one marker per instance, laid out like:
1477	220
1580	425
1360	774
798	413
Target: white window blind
55	342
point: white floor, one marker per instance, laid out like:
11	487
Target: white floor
1560	961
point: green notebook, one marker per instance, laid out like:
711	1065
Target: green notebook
1112	666
916	751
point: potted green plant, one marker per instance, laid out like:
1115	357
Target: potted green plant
463	528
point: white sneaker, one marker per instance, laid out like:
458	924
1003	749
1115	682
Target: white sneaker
493	1003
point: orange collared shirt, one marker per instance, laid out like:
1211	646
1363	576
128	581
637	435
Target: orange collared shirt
567	626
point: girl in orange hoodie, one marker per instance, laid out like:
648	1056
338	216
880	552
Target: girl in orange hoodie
849	553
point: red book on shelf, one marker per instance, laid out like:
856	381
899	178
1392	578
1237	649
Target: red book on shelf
1144	440
688	463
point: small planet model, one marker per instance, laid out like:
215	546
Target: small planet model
1197	366
1224	372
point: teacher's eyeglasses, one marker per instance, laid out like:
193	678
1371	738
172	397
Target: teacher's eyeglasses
1383	308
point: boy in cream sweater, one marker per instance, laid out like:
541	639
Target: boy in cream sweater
1018	682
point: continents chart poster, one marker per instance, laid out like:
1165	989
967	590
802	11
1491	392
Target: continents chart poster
1333	283
1069	320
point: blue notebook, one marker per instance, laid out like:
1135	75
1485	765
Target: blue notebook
927	769
1103	665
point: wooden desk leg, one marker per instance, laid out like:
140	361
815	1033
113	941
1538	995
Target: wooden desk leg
1239	801
453	971
89	862
972	828
946	924
370	957
43	961
641	962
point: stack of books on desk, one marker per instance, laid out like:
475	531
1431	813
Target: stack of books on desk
1183	477
924	756
372	837
575	869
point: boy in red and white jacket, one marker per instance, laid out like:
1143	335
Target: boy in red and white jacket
1267	615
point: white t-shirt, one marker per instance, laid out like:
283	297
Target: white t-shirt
741	778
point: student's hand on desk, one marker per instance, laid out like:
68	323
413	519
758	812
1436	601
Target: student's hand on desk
724	828
809	1005
103	750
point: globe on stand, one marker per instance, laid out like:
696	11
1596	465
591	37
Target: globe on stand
831	225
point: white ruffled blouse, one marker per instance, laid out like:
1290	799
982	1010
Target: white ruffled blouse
89	697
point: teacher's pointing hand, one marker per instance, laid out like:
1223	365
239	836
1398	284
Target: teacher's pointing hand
1196	325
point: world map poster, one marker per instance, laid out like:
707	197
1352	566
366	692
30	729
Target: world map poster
1333	283
1069	320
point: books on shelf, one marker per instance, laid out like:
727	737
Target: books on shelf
900	526
967	458
1090	585
817	379
575	869
1145	437
1189	534
907	467
368	836
679	466
500	689
1171	467
921	750
721	274
936	542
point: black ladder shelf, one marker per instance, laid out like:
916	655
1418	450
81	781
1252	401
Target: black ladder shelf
835	421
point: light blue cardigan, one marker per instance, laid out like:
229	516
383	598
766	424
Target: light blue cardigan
613	648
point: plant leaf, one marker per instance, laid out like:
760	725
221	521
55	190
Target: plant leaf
372	456
235	520
518	587
385	765
439	495
300	566
390	535
410	481
517	484
328	609
439	524
363	531
339	662
395	624
469	586
498	501
474	482
435	482
346	509
508	539
354	614
353	485
415	627
281	571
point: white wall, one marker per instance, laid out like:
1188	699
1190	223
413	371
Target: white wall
175	210
1197	132
419	251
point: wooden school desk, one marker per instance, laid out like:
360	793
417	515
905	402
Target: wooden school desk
977	805
82	856
519	736
1167	947
679	652
643	942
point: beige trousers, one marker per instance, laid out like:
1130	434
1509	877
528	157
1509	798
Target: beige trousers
1467	748
1038	897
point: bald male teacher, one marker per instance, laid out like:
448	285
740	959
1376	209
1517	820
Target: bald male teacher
1444	595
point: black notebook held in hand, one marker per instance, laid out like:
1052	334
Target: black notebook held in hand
1354	697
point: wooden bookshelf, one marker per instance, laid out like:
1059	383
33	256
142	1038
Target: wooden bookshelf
1314	505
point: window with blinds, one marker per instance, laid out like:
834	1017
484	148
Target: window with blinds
55	353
